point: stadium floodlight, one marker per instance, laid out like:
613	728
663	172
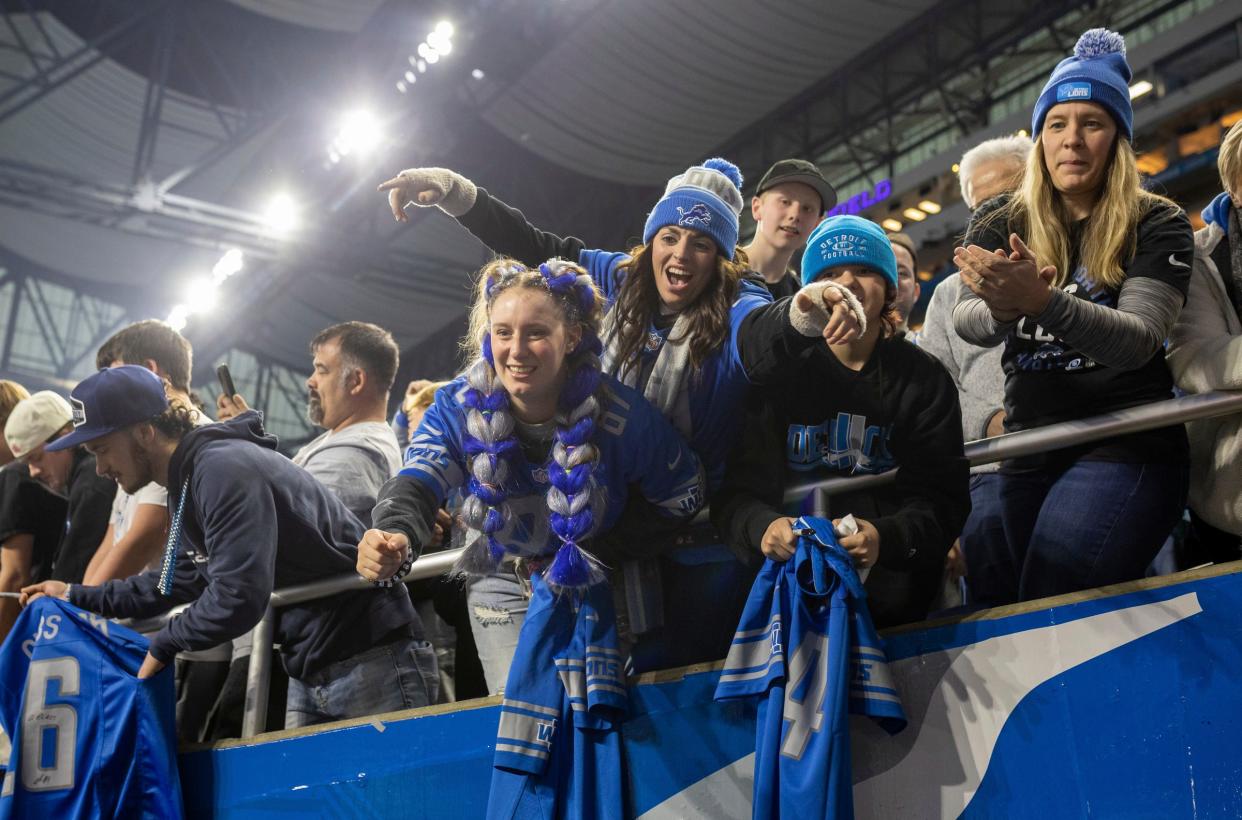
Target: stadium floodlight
441	44
401	86
914	214
444	28
422	66
1140	88
425	51
201	295
478	74
433	56
230	263
281	215
929	206
410	77
359	133
178	317
891	225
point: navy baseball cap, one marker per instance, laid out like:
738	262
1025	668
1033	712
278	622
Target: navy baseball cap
110	400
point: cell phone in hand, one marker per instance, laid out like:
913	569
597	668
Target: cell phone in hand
226	380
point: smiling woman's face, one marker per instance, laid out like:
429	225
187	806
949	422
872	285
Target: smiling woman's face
1077	141
684	262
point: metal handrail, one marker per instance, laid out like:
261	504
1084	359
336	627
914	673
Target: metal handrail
984	451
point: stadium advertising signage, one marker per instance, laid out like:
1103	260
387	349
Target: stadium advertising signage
864	199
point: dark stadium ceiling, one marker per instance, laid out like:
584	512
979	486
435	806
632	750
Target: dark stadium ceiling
140	139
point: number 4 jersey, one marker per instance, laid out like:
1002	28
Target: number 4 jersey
806	648
87	738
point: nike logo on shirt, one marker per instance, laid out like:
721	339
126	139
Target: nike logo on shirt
1173	261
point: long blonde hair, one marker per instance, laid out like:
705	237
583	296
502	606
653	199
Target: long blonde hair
1109	242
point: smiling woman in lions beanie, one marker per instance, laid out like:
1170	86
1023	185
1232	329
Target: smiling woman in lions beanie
1081	274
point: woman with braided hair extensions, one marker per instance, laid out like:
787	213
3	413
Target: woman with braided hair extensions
690	328
542	444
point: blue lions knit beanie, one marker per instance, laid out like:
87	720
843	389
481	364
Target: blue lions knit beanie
1098	73
706	198
845	240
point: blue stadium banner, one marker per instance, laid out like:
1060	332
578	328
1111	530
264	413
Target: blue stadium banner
1122	700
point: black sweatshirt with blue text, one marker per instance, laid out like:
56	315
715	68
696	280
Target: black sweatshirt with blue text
253	522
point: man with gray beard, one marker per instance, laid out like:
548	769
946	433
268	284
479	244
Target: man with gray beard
354	364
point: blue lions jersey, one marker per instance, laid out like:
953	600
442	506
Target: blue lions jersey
558	747
806	647
88	739
637	447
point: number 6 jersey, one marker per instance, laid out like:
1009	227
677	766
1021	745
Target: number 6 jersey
806	648
87	738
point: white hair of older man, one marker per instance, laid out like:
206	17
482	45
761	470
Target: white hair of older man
1015	148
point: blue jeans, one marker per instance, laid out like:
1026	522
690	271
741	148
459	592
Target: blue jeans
1088	524
387	678
497	605
991	579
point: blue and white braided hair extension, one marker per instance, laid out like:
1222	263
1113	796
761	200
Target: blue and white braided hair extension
575	502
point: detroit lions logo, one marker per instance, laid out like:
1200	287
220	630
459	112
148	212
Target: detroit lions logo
697	215
845	443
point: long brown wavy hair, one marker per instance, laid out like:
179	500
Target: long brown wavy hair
638	303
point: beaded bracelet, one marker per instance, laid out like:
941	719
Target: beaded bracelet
399	575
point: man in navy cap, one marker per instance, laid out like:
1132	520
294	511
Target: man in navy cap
246	520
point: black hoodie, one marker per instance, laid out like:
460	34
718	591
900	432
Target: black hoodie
253	522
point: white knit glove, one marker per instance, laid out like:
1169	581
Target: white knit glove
448	190
811	320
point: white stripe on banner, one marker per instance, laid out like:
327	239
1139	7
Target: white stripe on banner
722	795
935	766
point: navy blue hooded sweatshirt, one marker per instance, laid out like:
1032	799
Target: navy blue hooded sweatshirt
255	521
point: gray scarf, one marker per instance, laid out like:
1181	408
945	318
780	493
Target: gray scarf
667	387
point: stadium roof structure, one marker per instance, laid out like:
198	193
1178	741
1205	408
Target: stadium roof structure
142	139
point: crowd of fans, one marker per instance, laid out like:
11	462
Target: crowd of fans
608	396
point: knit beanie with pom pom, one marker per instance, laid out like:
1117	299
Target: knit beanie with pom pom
706	198
1098	73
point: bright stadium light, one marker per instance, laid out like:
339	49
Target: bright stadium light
929	206
178	317
914	214
478	74
230	263
401	86
425	51
410	76
441	44
1140	88
433	57
359	133
444	28
891	225
281	215
201	295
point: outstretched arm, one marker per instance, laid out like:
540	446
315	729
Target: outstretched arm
501	228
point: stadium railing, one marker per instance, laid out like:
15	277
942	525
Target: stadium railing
1011	445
